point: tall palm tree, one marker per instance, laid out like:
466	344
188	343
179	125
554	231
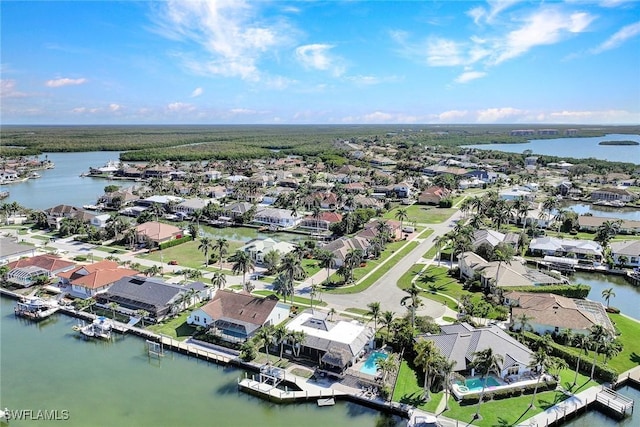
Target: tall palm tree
440	242
331	313
242	263
504	253
281	287
401	215
387	319
206	244
523	319
426	356
412	302
582	342
540	361
374	312
387	365
446	369
607	294
296	339
221	245
219	279
597	336
291	268
485	361
280	335
113	306
325	259
549	205
142	314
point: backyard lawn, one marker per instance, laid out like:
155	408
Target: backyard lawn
409	390
176	328
629	357
187	254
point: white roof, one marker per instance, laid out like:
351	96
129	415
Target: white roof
342	331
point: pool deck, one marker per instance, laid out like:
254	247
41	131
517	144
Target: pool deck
455	388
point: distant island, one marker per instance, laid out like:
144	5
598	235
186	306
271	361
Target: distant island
619	143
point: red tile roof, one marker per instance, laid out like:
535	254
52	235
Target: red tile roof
50	263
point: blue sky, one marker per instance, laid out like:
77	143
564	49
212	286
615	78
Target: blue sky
320	62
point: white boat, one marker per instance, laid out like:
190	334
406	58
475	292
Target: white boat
35	308
99	328
34	175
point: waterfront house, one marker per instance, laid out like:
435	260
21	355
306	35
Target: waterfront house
100	221
8	175
26	271
323	222
493	238
11	250
630	249
336	345
281	218
258	248
162	172
516	193
237	210
156	232
591	224
150	294
610	194
56	214
459	342
189	206
87	281
237	316
501	275
553	246
550	313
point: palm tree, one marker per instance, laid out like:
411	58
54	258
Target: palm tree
549	204
142	314
485	361
296	339
446	369
265	335
113	306
374	312
503	254
387	319
221	246
607	294
440	242
539	361
280	335
219	279
412	302
622	261
206	244
331	313
582	342
597	336
325	259
401	215
523	319
426	355
281	287
242	263
387	365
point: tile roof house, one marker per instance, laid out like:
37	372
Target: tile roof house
56	214
433	195
86	281
612	193
459	342
237	316
371	229
493	238
281	218
336	344
591	223
322	222
157	232
25	271
553	313
342	246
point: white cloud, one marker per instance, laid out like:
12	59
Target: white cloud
242	111
493	115
594	117
468	76
230	32
618	38
197	92
8	89
495	8
114	107
318	56
615	3
544	27
442	52
453	116
65	82
180	107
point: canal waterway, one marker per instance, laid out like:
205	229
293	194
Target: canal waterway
48	366
603	211
575	148
627	295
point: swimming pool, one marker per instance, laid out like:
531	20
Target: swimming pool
369	366
475	384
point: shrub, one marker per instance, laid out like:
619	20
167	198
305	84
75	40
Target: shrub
175	242
569	291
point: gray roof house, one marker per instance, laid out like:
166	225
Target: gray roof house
459	342
629	249
11	250
148	293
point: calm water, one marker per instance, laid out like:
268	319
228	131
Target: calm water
47	366
598	419
63	184
627	295
604	211
576	148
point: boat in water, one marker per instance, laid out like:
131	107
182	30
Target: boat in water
35	308
100	328
4	194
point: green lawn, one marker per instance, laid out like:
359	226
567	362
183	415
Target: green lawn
310	266
409	390
187	254
629	357
177	328
515	410
296	300
423	214
108	249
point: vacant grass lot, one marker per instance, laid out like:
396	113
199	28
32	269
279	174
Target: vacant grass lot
187	254
423	214
296	299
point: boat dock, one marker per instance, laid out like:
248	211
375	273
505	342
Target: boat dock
308	391
615	403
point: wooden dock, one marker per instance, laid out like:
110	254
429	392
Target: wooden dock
284	394
612	401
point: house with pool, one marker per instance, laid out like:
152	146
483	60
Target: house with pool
459	342
333	345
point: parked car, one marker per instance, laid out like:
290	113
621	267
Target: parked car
173	262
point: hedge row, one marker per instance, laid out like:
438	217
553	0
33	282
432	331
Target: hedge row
175	242
602	371
569	291
471	399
